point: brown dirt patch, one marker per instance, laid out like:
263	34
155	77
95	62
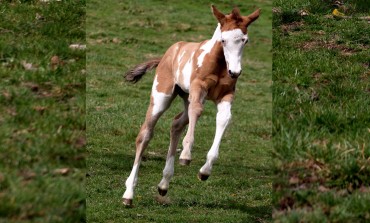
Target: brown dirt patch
291	27
330	45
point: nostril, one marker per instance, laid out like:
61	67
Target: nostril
230	72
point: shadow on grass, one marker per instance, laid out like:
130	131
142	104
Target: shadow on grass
258	212
118	161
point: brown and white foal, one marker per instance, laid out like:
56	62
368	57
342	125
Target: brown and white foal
195	72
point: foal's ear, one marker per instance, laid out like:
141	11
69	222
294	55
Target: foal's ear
219	16
252	17
235	14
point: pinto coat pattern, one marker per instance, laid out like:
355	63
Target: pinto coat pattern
196	72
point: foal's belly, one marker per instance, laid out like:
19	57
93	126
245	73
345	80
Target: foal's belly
184	88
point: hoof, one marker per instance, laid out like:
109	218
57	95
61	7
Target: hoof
184	162
202	177
127	202
162	192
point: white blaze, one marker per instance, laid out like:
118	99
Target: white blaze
233	45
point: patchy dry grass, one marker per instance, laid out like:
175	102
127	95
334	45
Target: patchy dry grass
321	118
42	107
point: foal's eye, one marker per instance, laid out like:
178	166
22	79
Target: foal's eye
223	41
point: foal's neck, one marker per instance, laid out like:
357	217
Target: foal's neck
217	34
216	43
217	46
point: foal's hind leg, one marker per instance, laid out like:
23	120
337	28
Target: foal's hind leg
178	125
158	104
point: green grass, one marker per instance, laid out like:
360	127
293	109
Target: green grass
121	34
321	116
42	121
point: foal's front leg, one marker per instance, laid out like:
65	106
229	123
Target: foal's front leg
196	99
222	121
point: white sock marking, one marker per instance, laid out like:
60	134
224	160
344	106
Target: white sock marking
222	121
167	173
131	182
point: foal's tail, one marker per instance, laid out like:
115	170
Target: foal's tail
135	74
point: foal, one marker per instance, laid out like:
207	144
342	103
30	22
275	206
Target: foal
195	72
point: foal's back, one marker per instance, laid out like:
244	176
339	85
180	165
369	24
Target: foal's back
185	61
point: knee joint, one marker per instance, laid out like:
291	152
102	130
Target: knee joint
196	108
223	118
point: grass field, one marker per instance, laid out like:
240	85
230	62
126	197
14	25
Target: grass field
321	114
42	112
121	34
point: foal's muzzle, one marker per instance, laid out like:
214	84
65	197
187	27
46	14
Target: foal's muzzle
234	75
